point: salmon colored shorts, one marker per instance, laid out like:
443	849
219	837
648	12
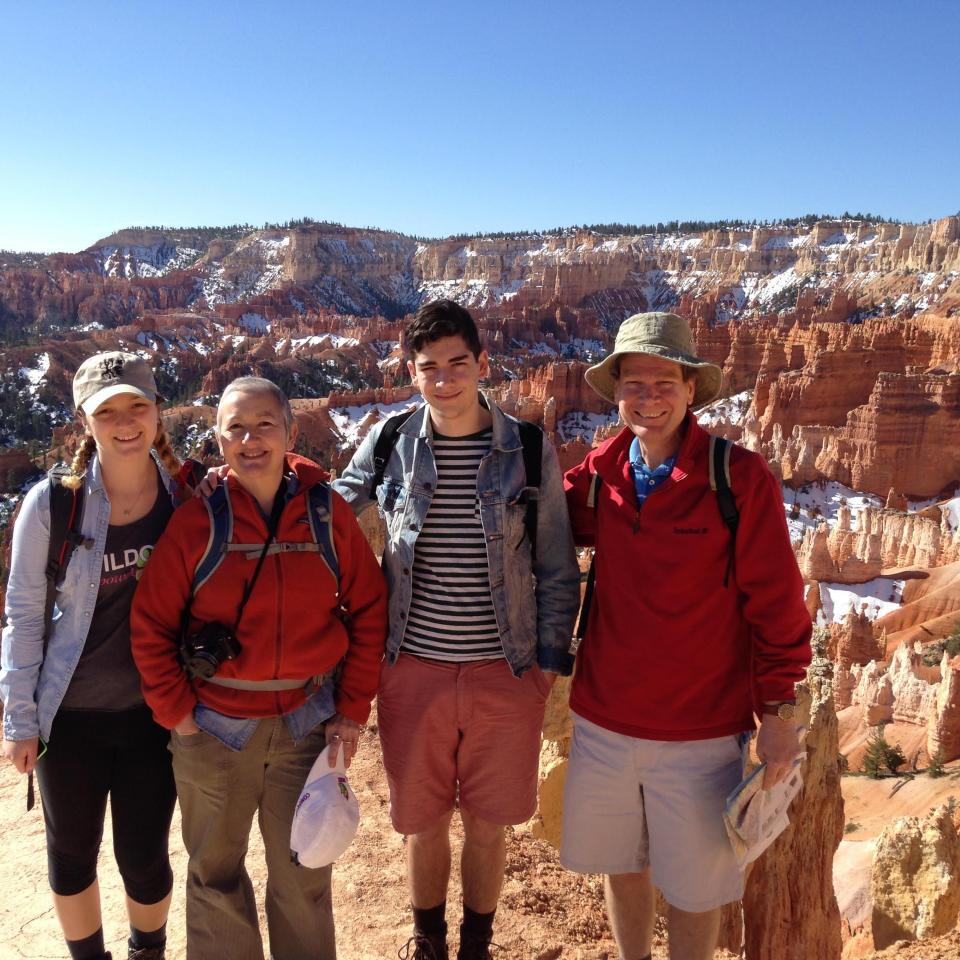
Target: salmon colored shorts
460	729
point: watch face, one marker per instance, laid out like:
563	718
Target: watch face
786	711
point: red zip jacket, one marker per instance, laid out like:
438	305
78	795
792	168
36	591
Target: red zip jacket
289	628
670	653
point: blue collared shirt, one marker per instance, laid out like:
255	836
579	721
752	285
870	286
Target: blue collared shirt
646	480
234	732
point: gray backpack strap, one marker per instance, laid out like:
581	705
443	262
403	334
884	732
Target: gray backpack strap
320	504
220	513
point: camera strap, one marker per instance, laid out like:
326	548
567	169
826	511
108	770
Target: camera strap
273	522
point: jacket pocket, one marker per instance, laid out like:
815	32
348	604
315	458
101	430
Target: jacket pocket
391	501
515	524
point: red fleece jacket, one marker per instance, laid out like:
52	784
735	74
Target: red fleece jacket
289	628
670	653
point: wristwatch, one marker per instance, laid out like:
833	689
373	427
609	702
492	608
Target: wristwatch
784	710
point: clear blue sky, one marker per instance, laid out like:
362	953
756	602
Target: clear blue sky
443	117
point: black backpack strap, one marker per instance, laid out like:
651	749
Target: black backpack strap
593	496
383	448
720	449
66	515
531	438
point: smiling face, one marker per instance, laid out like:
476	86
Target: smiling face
254	439
653	398
448	375
123	426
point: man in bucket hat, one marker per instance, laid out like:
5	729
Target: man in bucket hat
695	624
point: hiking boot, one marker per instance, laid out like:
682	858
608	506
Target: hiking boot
475	948
425	947
144	953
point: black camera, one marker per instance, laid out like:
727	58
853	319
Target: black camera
203	652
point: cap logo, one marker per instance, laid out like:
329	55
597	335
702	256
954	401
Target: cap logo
112	368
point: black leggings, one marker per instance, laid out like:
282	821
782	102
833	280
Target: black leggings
93	754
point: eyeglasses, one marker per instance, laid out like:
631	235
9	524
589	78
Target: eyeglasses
31	796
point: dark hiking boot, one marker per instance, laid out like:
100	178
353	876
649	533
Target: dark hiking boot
476	948
425	947
144	953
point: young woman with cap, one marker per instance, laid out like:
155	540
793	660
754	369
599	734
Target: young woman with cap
73	709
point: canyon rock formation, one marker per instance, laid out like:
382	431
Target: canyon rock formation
907	691
789	906
879	539
915	884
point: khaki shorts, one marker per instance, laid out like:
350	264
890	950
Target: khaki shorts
630	804
467	729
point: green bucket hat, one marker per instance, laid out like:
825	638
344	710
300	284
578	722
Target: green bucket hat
660	335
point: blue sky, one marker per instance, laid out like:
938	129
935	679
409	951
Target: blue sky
439	118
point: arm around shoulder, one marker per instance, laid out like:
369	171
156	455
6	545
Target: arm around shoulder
583	518
355	482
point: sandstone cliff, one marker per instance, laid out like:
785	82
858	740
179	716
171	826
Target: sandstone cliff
915	884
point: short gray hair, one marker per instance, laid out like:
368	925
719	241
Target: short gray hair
260	385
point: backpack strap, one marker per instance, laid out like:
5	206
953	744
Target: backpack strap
320	504
383	448
220	513
720	483
593	498
66	515
531	439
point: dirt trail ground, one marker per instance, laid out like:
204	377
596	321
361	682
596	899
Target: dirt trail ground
546	913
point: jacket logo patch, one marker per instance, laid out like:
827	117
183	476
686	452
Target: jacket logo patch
690	531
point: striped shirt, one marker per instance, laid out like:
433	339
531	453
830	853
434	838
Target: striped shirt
451	613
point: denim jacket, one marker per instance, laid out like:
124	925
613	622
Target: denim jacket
32	685
535	601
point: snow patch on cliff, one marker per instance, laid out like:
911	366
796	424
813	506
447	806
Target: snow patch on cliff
727	410
875	598
349	419
155	260
33	375
806	507
578	424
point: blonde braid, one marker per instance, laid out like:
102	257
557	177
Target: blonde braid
80	461
162	445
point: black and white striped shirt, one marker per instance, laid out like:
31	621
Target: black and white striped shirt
451	613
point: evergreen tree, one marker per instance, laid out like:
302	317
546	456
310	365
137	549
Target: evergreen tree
881	758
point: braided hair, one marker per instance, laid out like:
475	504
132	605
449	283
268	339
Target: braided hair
81	459
161	443
78	466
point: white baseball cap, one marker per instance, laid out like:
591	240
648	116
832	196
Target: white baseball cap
327	814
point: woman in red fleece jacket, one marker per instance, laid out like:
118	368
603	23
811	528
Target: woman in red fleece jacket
304	675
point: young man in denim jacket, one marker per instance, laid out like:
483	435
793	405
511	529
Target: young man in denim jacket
480	623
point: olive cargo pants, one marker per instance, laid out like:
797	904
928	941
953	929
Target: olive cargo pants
220	790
